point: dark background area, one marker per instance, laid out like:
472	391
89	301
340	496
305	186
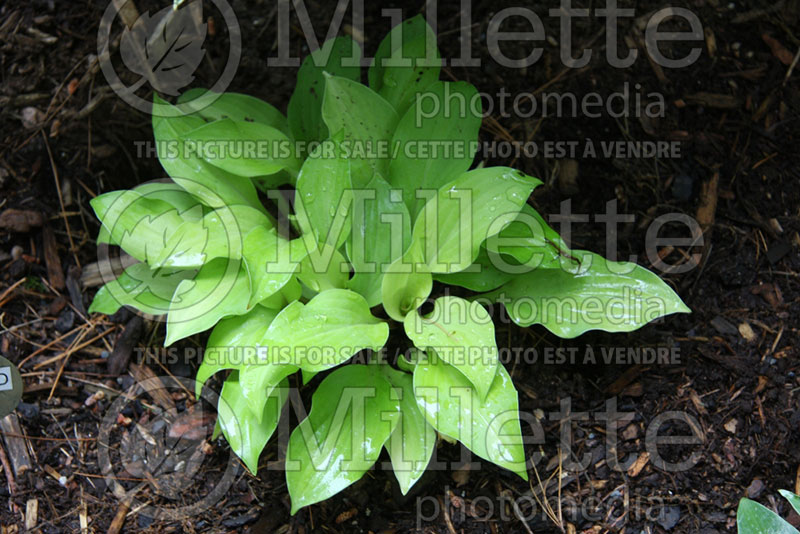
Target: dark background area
65	137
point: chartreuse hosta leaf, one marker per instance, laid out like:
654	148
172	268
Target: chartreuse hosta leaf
407	61
353	412
325	332
220	288
173	194
323	268
243	148
271	261
435	140
755	518
406	284
340	57
597	294
234	106
462	334
219	234
147	290
464	212
323	195
137	223
367	123
413	440
381	232
793	499
247	432
237	343
233	343
187	206
481	276
531	242
488	427
212	185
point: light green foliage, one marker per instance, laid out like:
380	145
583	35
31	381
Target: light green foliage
755	518
376	217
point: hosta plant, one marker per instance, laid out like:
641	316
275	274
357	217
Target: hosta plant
755	518
304	240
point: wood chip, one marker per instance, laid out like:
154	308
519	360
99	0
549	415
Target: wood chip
711	41
55	273
762	384
638	465
120	357
119	519
714	100
778	50
347	515
148	379
707	209
747	333
631	432
20	221
31	514
731	426
17	446
697	402
461	476
568	177
50	470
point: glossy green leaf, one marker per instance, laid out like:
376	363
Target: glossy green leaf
233	343
325	332
754	518
462	334
291	291
532	244
236	106
381	232
488	427
219	289
271	261
219	234
597	295
479	203
213	186
323	268
323	195
481	276
407	61
147	290
413	440
243	148
257	382
139	224
247	433
172	194
435	140
340	57
353	413
793	499
405	286
367	123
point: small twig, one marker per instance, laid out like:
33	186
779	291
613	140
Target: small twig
43	348
12	485
791	67
73	249
447	517
77	345
8	291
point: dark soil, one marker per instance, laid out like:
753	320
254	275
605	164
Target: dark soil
735	369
